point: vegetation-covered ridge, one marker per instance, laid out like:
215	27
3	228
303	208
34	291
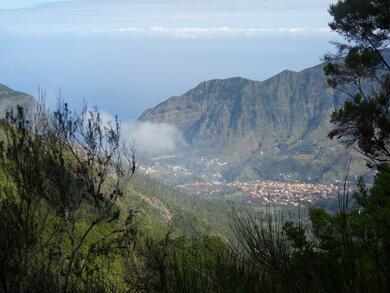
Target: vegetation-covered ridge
263	128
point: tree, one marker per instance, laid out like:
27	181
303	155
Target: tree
62	175
346	251
361	68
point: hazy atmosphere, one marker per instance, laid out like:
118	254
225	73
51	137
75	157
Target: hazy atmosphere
195	146
126	56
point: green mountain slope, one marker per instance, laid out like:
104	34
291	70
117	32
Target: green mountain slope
269	129
159	205
10	99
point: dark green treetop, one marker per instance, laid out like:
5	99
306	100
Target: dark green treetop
364	118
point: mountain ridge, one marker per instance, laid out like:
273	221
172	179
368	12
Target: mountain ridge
10	98
259	125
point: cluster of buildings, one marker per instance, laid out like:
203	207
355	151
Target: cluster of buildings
209	181
202	188
175	170
212	162
164	157
147	170
282	193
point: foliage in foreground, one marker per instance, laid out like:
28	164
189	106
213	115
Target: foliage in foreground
62	229
61	176
348	251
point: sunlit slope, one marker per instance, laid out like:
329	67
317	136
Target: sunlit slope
156	206
268	129
10	99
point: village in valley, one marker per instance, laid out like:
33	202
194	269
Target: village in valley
283	193
209	182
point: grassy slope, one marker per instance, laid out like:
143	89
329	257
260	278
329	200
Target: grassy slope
192	215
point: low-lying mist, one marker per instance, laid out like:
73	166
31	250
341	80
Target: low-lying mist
148	138
151	139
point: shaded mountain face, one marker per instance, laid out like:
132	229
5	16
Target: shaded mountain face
9	99
267	129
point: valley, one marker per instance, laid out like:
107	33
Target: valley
195	146
206	180
244	130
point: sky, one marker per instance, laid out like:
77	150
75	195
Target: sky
128	55
15	4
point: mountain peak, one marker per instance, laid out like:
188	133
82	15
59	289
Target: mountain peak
231	81
287	71
283	120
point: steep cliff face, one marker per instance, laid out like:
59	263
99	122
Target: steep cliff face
269	127
10	99
244	115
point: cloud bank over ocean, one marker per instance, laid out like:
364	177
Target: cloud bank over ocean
129	55
211	32
177	17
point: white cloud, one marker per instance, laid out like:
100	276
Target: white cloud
152	139
194	32
120	30
148	138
